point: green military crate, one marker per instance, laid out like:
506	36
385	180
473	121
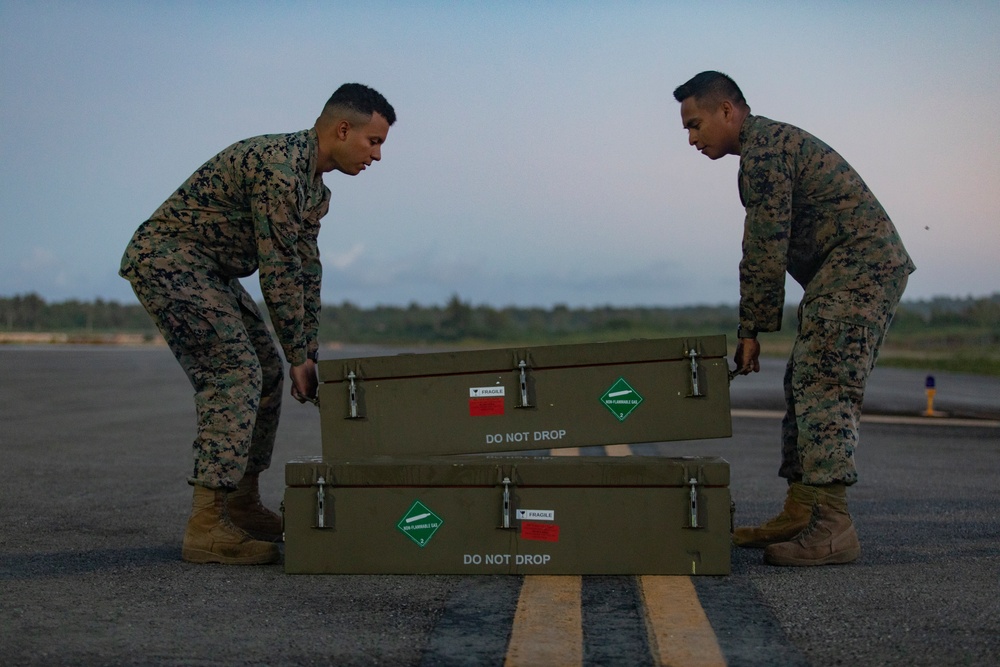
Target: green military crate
508	515
519	399
383	499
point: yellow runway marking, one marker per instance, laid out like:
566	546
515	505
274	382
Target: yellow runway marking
548	623
609	450
679	632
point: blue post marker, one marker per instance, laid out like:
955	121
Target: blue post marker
931	390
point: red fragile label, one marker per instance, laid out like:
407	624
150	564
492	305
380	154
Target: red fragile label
542	532
484	407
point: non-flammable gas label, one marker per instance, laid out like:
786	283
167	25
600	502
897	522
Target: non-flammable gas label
621	399
419	523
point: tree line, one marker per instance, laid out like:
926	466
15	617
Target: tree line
460	321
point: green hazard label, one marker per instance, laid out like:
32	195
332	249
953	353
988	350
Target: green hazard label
621	399
419	523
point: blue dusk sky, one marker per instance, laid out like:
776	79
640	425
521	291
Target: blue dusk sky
538	157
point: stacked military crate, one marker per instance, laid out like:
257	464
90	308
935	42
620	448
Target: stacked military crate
413	479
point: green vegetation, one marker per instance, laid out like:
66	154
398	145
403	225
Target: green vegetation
942	334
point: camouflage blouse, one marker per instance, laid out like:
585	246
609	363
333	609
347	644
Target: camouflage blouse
256	206
808	213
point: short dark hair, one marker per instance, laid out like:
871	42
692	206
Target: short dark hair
361	99
710	86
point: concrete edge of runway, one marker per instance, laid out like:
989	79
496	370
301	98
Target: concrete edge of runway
938	419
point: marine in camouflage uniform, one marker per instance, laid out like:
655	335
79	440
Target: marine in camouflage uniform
254	207
808	213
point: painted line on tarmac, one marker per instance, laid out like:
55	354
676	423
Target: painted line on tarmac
679	631
605	450
640	621
548	625
881	419
596	620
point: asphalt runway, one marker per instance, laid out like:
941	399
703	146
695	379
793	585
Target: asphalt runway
95	445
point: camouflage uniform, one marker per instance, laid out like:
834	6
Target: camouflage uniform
256	206
810	214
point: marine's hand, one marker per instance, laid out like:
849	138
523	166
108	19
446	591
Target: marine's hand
747	356
304	381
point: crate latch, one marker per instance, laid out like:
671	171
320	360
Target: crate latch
693	503
525	403
696	391
353	412
321	505
505	500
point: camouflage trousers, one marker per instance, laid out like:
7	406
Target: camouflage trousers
837	344
237	374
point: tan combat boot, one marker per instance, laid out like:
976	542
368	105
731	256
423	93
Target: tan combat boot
212	538
248	513
793	519
829	539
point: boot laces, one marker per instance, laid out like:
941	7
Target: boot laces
227	521
813	522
